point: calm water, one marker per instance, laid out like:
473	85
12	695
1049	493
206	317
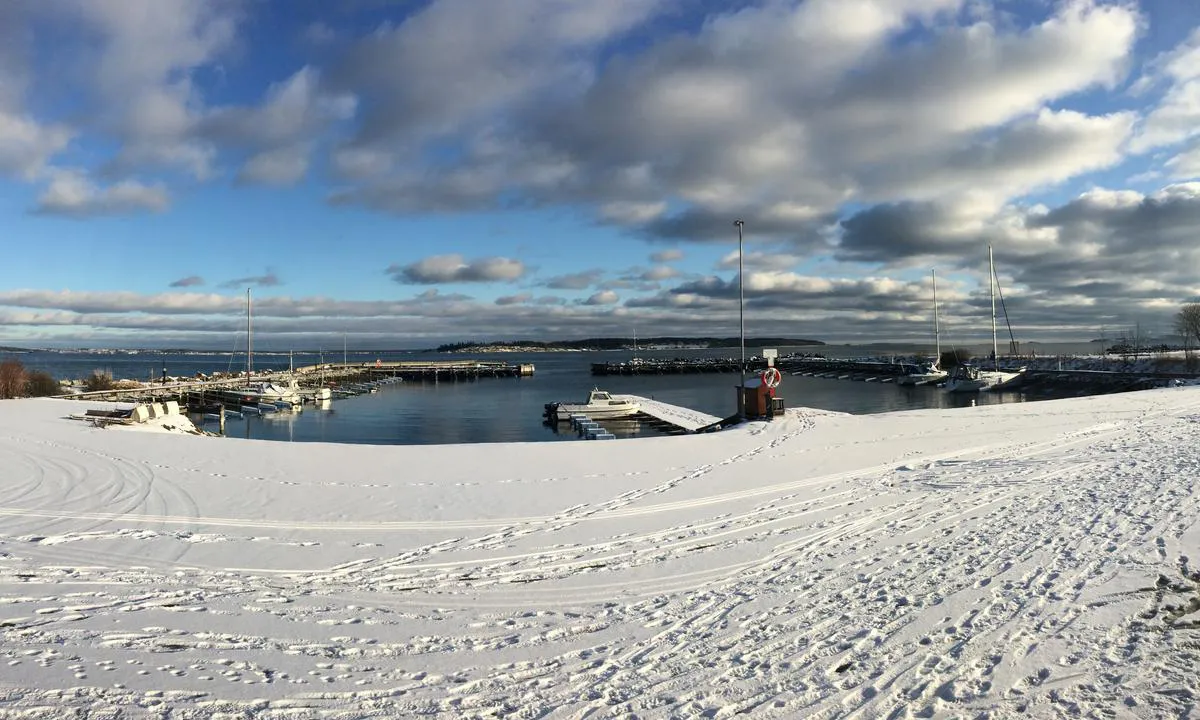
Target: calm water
501	410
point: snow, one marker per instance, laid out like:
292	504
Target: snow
978	562
685	418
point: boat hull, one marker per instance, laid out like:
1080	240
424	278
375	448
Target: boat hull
564	412
994	380
921	378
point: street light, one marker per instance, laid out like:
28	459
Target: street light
741	318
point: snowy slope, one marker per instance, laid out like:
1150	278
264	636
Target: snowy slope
1037	557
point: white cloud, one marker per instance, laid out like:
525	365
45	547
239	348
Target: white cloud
455	61
290	111
604	297
1185	165
360	163
26	147
141	78
282	166
1177	116
695	129
72	194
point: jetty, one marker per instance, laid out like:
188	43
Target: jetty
663	417
679	366
685	419
448	369
343	378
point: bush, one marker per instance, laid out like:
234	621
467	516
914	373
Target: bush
12	379
40	383
98	380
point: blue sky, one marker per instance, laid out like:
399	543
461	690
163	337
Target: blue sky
408	173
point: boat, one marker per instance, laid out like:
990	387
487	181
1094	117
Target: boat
969	378
266	396
932	373
316	395
600	405
928	374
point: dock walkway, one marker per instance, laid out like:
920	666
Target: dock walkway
681	417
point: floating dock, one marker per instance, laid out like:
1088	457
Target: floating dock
663	417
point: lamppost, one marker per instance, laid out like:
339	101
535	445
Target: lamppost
741	320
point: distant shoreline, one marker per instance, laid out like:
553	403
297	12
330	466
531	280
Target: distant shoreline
623	344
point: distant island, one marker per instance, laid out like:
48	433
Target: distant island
596	344
4	348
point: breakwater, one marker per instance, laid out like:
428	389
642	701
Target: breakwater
685	366
332	375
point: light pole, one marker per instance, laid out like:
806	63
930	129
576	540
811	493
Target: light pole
741	320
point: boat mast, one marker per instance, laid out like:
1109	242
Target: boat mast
937	335
249	342
992	288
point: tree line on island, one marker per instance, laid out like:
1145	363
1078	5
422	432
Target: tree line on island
626	343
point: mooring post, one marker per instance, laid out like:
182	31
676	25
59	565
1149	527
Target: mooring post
221	420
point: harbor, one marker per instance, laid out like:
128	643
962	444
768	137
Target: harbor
417	398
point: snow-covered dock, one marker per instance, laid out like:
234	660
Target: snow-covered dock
681	417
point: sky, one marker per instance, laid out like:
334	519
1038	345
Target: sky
403	173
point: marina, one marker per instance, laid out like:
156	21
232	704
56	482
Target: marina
425	398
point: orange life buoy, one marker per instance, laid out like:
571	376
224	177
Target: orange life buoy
771	377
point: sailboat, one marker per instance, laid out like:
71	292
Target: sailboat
931	373
266	396
968	378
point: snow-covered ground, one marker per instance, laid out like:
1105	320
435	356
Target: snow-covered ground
978	562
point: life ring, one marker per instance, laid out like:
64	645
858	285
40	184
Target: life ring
771	377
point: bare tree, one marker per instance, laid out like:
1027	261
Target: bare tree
12	379
1187	323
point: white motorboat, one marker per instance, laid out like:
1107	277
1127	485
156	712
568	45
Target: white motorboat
316	395
263	393
929	374
600	405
